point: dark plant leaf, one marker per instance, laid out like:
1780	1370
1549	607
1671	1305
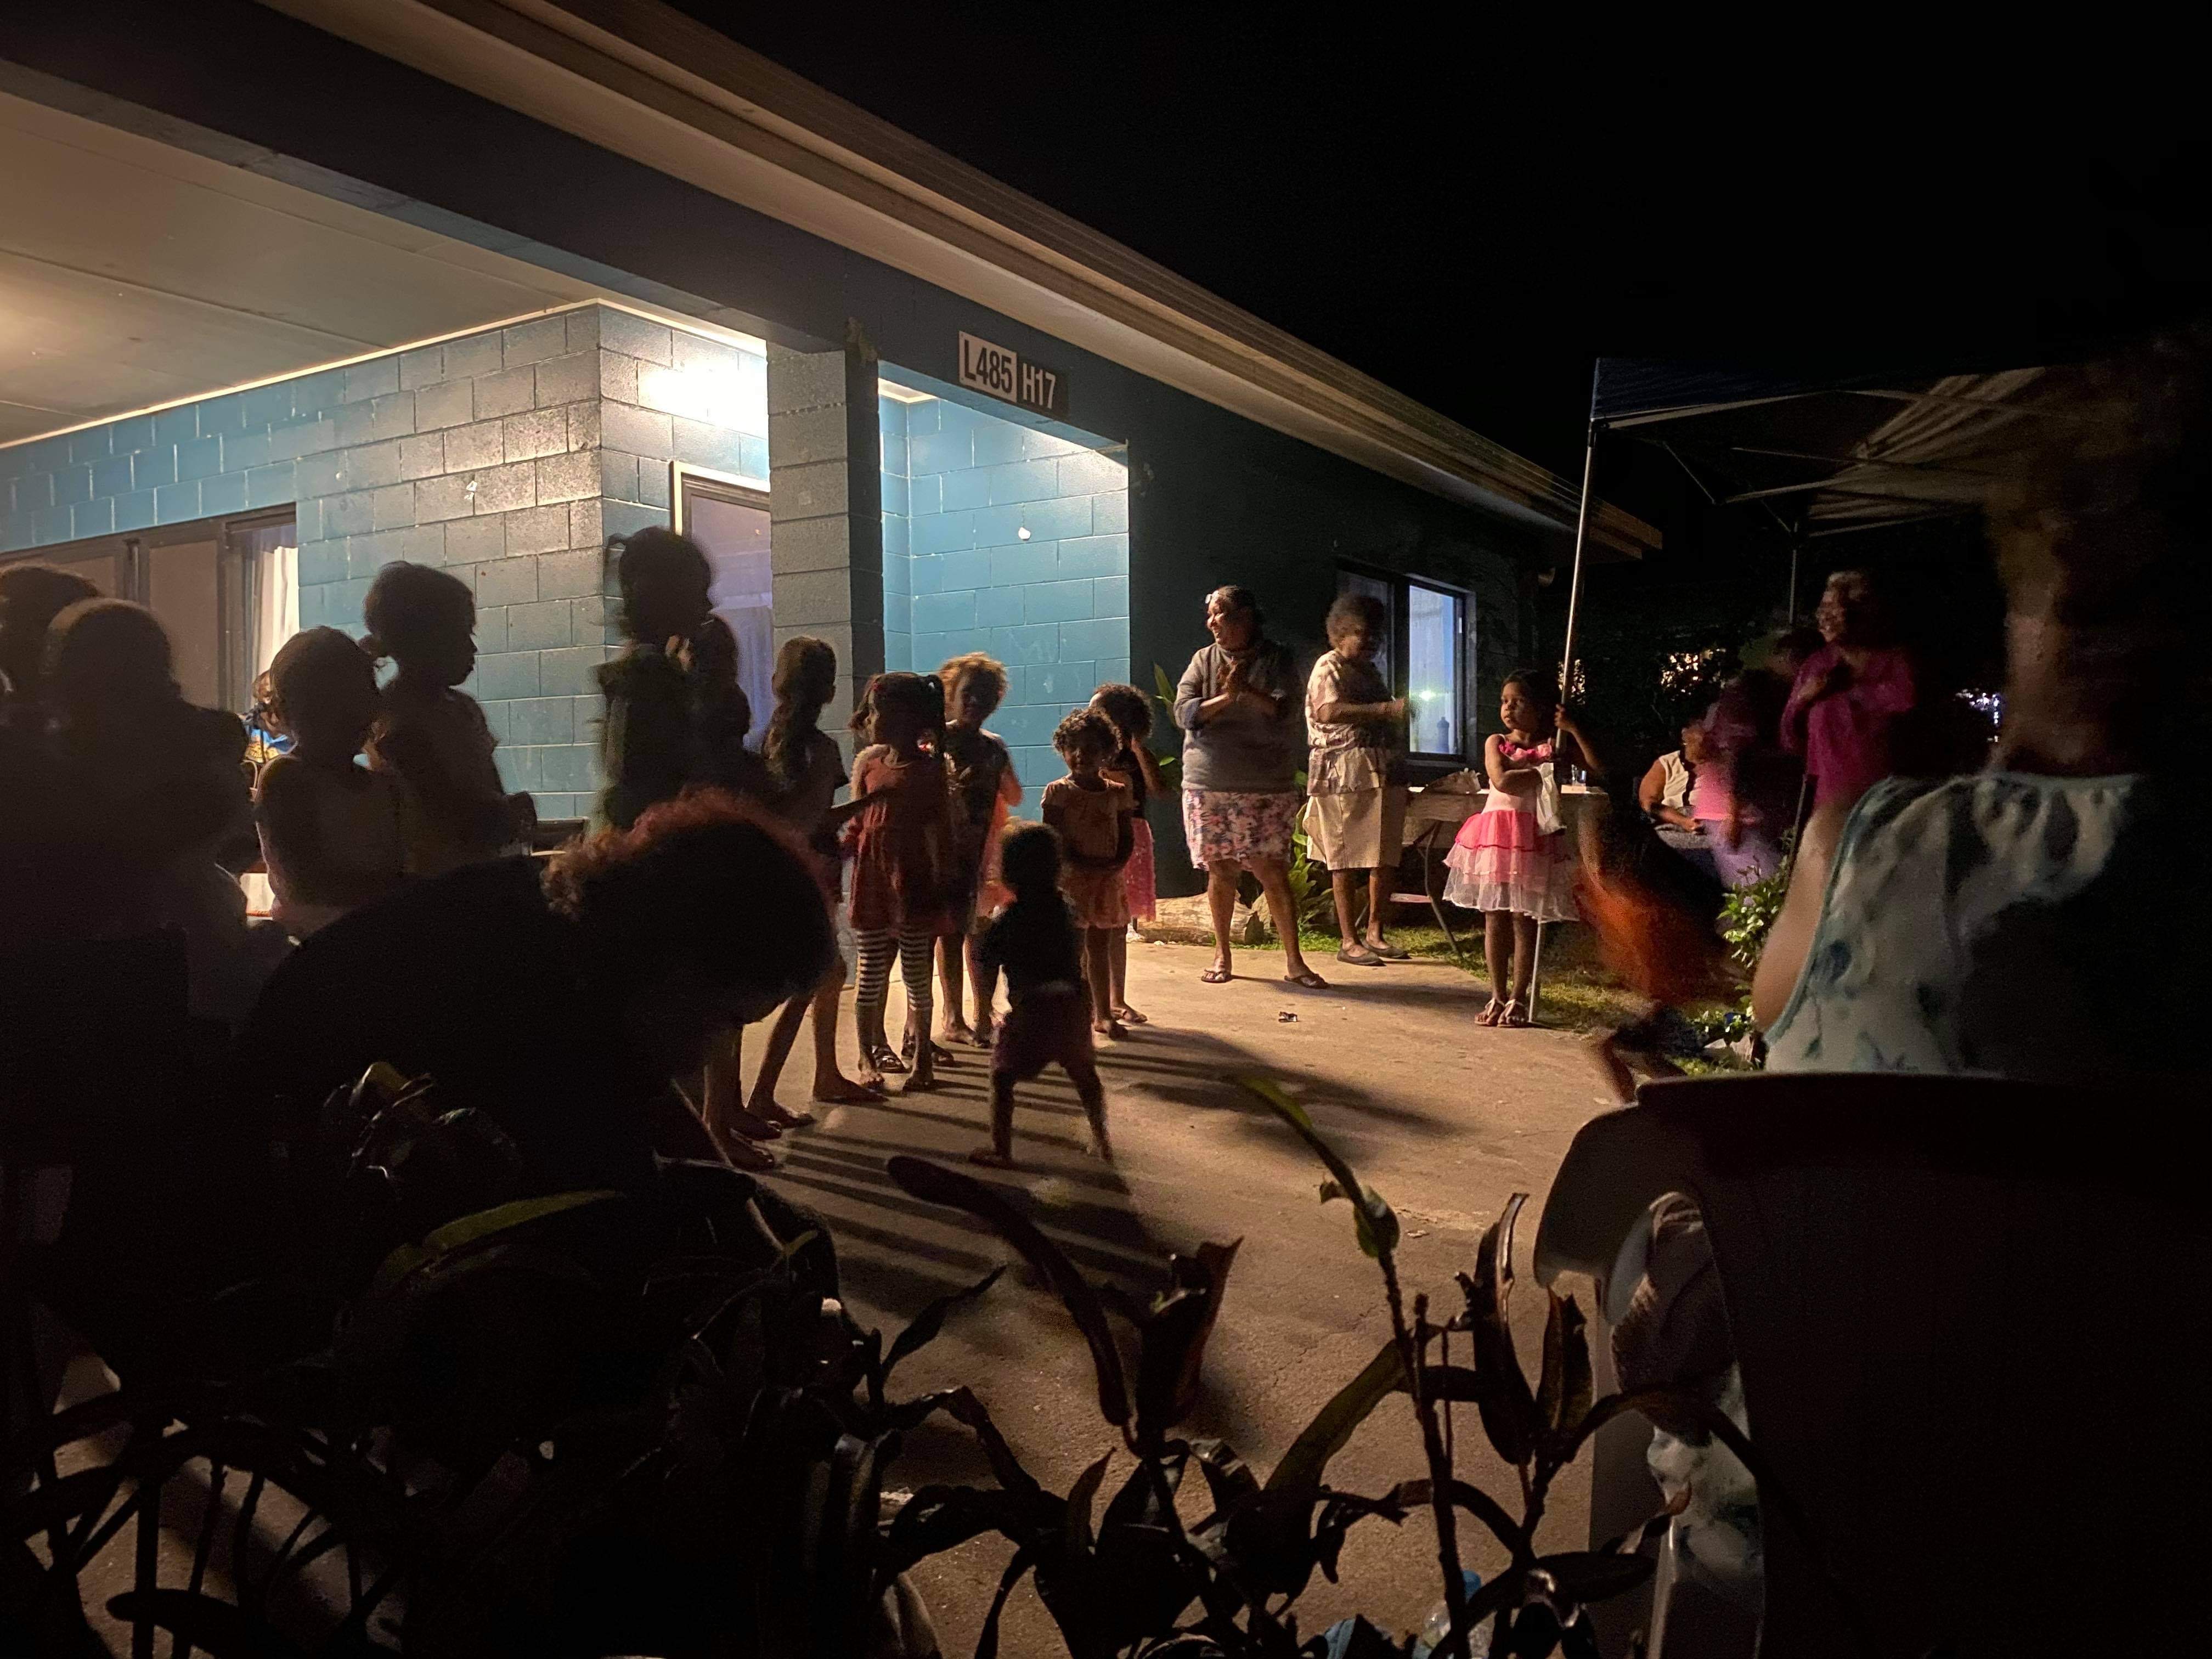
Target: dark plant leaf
1414	1494
937	1185
1502	1591
986	1642
1340	1513
940	1518
1138	1503
1227	1478
1574	1366
468	1229
1551	1387
926	1325
1175	1336
1448	1382
1076	1538
1304	1463
224	1631
1269	1540
1585	1576
1005	1468
1375	1225
1508	1408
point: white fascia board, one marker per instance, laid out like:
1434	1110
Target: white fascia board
641	81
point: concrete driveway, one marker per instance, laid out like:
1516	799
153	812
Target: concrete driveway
1443	1118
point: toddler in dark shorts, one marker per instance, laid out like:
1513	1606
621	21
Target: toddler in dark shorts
1035	943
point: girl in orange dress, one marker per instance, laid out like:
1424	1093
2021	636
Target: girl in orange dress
1092	814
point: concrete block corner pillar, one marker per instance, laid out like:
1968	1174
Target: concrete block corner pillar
825	508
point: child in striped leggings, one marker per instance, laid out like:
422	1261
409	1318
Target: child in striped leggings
904	878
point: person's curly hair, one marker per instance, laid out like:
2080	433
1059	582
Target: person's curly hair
957	672
1129	709
664	581
715	884
1085	726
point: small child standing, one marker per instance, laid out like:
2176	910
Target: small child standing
432	738
1132	766
333	835
903	878
651	738
1503	862
1033	941
984	788
806	771
1092	814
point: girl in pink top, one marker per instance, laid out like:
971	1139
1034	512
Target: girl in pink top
1501	863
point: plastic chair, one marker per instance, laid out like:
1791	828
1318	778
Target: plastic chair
1966	1315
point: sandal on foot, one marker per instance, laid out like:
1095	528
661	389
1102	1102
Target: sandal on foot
745	1155
1129	1016
1217	975
1387	951
1515	1014
1309	980
885	1059
1359	956
1492	1011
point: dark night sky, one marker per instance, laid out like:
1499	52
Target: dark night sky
1470	219
1471	215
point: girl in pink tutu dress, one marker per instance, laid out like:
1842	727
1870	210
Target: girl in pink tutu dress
1501	863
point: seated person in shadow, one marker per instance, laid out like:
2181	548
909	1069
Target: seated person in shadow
1993	923
147	793
562	999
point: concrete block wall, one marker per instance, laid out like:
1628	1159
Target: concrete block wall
825	509
480	455
227	455
506	456
1015	542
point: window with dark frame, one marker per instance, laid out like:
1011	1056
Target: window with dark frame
1424	655
224	588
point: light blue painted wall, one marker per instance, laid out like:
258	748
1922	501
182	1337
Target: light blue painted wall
960	487
504	456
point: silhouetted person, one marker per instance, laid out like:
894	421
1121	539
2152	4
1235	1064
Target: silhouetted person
1037	942
333	833
649	739
433	735
31	596
149	788
560	1001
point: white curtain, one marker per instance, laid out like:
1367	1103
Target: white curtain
280	604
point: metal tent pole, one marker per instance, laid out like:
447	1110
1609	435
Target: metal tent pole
1567	659
1796	544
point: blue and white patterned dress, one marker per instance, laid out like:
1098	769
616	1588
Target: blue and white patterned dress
2009	925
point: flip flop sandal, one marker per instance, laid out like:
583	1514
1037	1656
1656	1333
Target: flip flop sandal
1216	975
1360	958
1492	1011
1516	1015
1130	1016
1391	952
1309	980
885	1059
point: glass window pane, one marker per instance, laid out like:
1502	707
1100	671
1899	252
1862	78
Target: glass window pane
734	536
1432	669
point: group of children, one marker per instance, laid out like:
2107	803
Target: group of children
335	835
934	868
939	880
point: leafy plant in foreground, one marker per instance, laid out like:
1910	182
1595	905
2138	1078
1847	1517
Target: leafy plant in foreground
1136	1580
